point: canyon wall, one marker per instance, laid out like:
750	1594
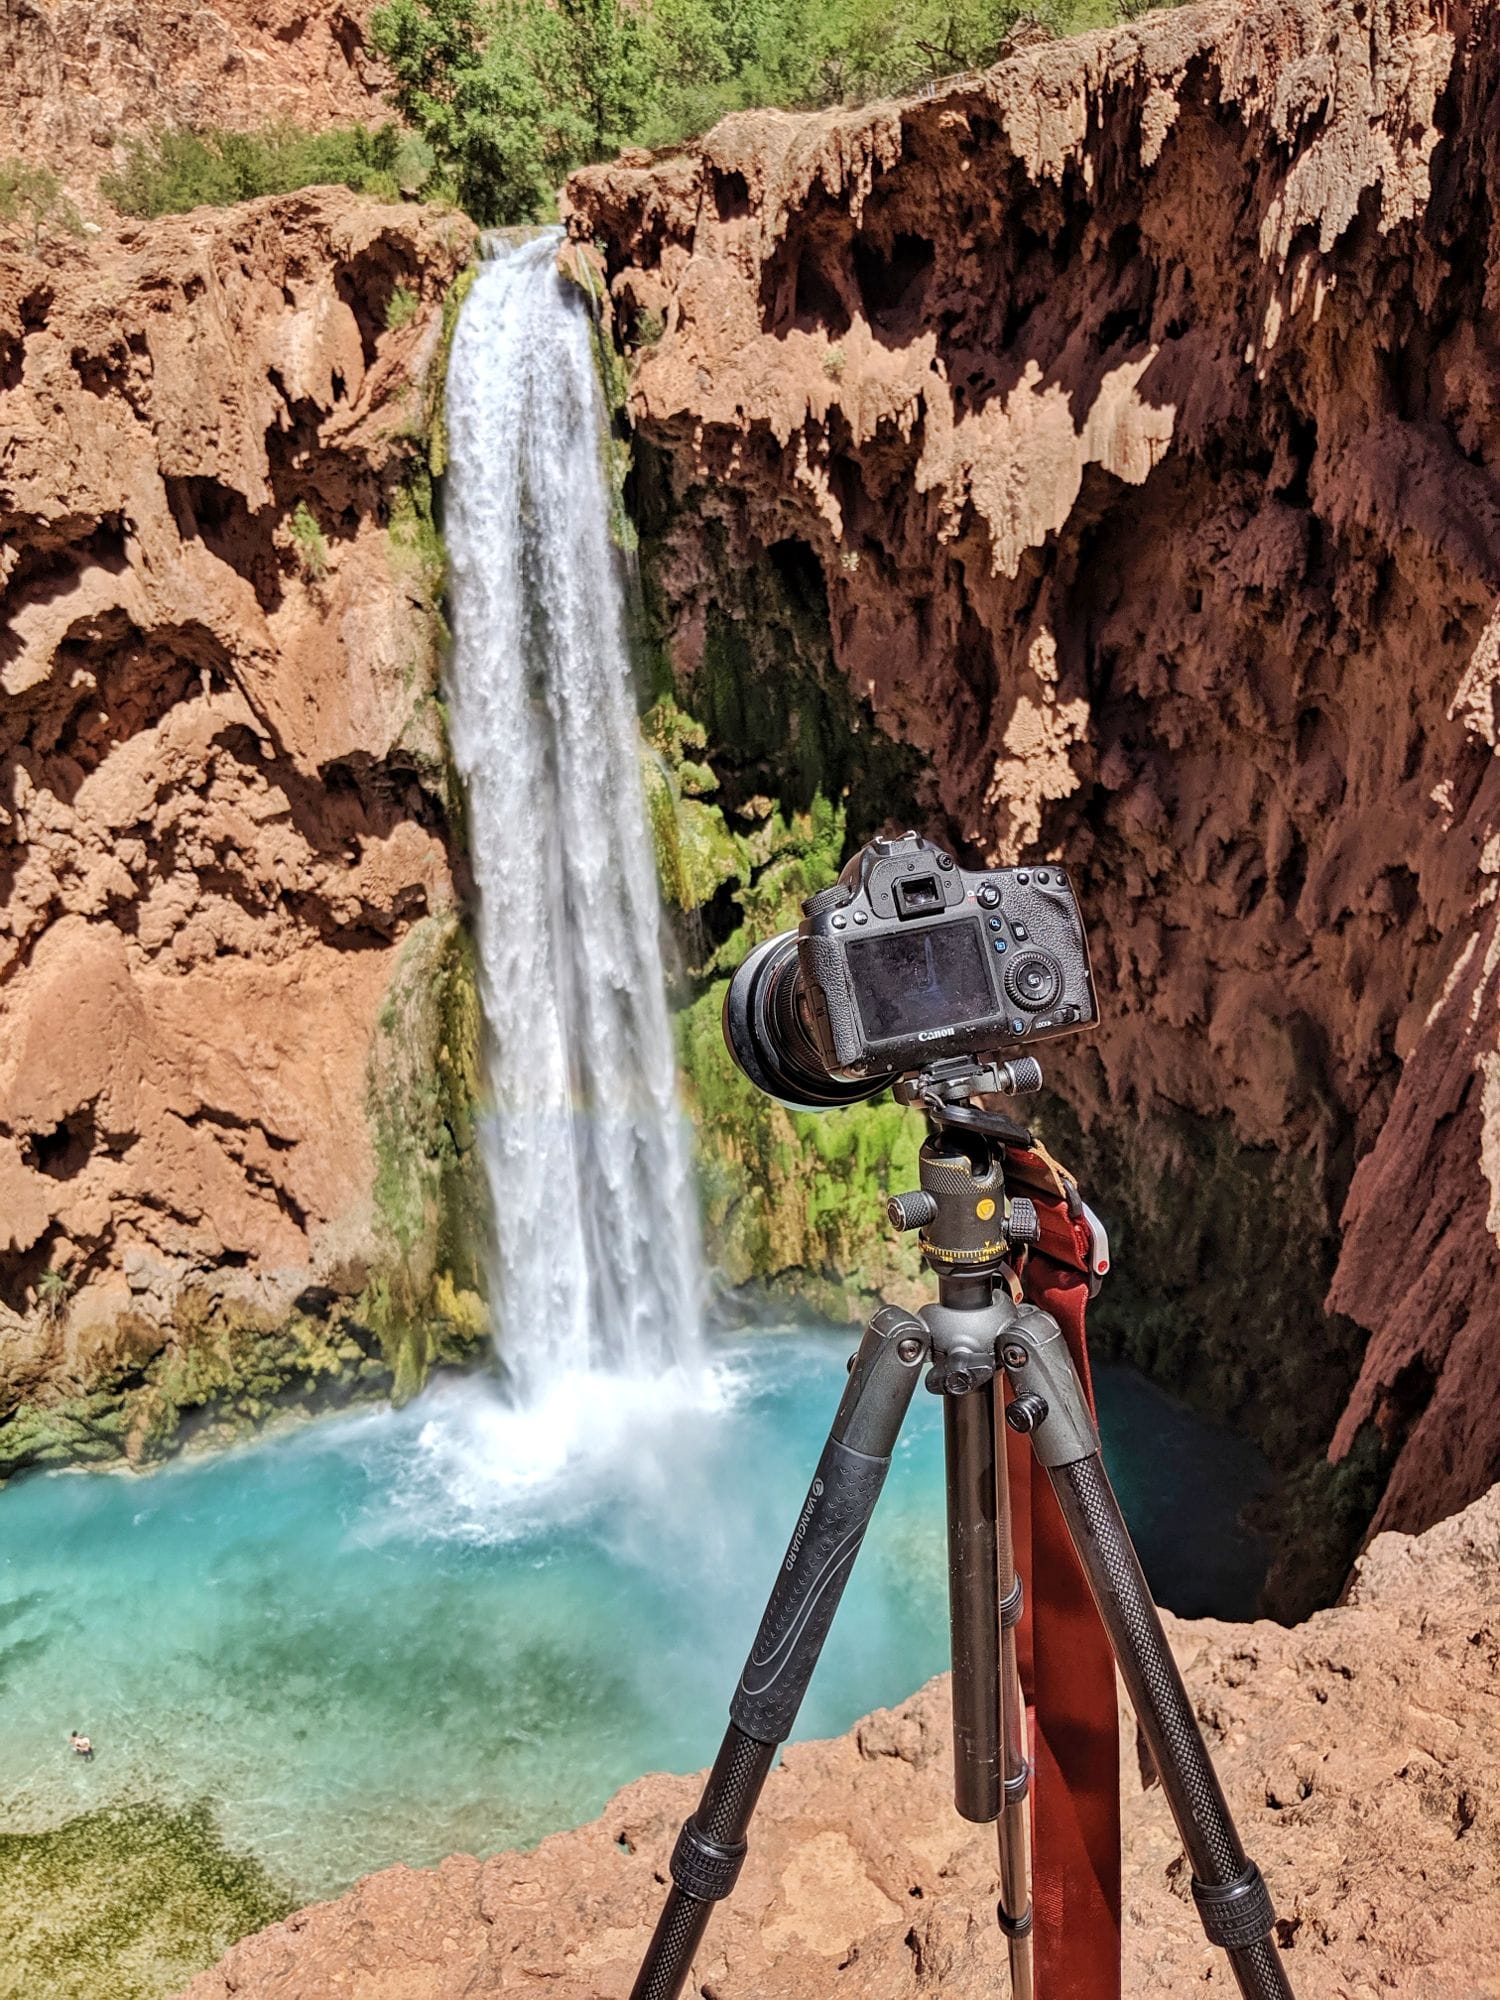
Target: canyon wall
76	80
1127	419
238	1032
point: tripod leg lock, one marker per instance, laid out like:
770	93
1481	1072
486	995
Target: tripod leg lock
703	1868
1014	1927
1012	1605
1236	1914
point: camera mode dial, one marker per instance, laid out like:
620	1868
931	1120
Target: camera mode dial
1034	981
833	898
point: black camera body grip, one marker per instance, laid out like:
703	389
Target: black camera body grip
814	1570
909	958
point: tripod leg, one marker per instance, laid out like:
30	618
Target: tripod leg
1233	1902
1014	1826
711	1846
991	1776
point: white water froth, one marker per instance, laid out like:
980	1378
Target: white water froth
592	1448
597	1271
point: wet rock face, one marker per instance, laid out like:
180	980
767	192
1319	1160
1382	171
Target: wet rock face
1358	1754
1139	405
222	779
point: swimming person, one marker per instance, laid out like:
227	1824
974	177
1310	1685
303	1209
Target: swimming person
81	1744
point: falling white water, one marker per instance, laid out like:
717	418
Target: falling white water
597	1264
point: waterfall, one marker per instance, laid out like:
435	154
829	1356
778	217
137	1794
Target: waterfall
597	1232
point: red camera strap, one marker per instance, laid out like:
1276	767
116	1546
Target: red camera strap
1067	1669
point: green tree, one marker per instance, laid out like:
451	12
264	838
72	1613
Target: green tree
33	197
466	79
592	63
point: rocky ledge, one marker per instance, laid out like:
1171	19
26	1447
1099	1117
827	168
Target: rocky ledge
1360	1752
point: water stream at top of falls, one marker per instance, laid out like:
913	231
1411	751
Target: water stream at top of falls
597	1264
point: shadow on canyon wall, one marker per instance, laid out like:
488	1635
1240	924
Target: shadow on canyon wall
1135	413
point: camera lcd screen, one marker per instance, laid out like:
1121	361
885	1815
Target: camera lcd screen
908	982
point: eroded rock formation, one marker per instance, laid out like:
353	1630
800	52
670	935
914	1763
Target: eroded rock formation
1360	1753
228	932
1134	411
76	80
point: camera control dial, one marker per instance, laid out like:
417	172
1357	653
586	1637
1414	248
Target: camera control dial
1034	980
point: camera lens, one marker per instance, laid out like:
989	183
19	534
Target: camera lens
1034	981
766	1031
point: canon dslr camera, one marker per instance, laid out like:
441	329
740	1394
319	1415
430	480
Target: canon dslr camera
908	958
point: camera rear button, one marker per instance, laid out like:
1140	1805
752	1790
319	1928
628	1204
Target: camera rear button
1020	932
987	894
839	923
860	917
994	923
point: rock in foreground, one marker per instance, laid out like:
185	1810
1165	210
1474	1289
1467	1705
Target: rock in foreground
1361	1752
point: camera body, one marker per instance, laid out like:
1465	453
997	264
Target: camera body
909	958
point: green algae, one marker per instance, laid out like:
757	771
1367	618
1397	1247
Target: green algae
432	1207
125	1903
794	1202
434	412
696	852
762	773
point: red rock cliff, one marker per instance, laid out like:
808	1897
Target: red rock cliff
228	919
1136	406
76	80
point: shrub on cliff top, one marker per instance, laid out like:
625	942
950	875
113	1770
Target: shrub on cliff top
32	199
173	171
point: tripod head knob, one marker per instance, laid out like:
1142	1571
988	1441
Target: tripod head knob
1020	1076
911	1211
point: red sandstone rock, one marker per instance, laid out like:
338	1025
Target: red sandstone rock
222	811
1139	403
1360	1752
76	80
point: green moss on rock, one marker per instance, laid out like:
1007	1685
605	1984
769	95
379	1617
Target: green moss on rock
435	424
126	1903
794	1202
696	853
431	1203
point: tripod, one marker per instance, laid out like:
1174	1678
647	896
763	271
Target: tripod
976	1341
